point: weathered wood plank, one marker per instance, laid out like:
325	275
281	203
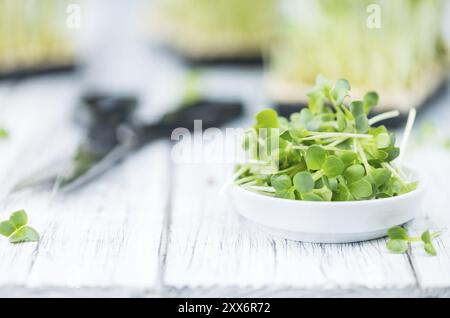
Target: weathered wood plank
105	237
433	272
212	251
29	114
108	235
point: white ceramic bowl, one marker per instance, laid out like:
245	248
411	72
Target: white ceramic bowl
329	222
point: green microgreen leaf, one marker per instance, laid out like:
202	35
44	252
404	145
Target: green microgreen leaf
428	244
383	140
315	157
24	234
354	173
281	182
310	196
380	176
7	228
397	233
357	108
361	189
18	218
333	166
362	124
370	100
303	182
399	240
286	194
267	118
397	246
17	230
340	91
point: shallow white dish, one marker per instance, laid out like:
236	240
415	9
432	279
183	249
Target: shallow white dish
329	222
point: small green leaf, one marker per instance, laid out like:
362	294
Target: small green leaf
393	153
342	193
383	140
380	176
428	244
370	101
397	246
24	234
348	157
303	182
361	189
333	166
305	116
309	196
362	124
315	157
267	118
298	133
357	108
340	91
19	219
429	248
426	237
316	101
397	233
325	193
16	228
322	82
354	173
6	228
330	183
282	182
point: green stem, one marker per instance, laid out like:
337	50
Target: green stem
263	189
394	172
383	116
323	135
244	180
317	175
360	150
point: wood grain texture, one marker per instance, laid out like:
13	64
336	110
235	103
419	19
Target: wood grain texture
433	273
152	228
213	250
104	238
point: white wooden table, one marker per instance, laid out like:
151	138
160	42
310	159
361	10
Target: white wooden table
155	228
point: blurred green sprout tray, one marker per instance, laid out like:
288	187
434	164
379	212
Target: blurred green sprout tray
214	30
404	57
34	38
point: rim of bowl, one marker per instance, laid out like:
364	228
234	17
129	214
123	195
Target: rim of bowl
420	189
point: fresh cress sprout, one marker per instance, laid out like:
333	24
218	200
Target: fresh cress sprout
329	151
17	230
399	240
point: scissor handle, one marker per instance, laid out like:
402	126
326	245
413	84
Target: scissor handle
108	108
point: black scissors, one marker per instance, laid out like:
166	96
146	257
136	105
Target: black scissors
113	133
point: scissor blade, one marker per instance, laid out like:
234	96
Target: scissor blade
45	177
85	174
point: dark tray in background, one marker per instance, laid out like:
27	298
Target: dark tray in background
256	60
46	70
286	110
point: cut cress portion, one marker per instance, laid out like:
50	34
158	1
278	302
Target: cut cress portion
330	151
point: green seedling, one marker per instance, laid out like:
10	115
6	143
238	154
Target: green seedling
330	151
17	230
399	240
